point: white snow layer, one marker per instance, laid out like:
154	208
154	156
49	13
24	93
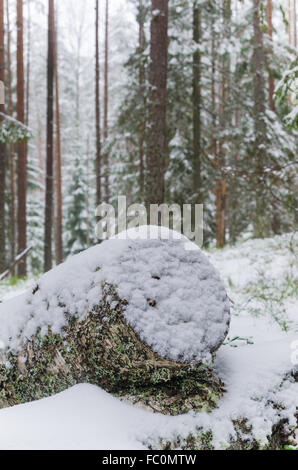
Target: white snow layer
176	300
255	371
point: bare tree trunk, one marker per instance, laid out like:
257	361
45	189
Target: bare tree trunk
97	108
156	135
22	159
87	196
50	117
2	147
106	104
28	64
259	150
58	237
197	103
221	182
270	52
11	147
141	19
40	152
213	112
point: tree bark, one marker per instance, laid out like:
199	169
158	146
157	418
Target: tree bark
22	158
197	98
106	105
270	52
28	65
157	132
2	147
59	242
259	148
50	117
224	120
97	108
141	20
12	212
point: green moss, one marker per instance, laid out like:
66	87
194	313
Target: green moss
103	350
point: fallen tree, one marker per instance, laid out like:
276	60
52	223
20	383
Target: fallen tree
142	319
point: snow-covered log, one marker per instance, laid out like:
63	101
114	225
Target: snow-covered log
141	318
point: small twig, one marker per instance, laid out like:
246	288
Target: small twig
16	261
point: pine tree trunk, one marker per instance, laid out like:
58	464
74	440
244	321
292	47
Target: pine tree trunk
197	104
141	19
40	152
270	52
2	147
22	159
157	132
50	118
28	65
214	144
58	163
106	105
260	139
97	108
12	212
224	118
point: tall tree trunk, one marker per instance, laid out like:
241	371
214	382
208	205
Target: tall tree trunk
58	162
197	103
40	157
141	20
97	108
22	159
106	104
224	118
270	52
11	148
259	149
50	117
214	145
87	195
2	147
28	64
156	134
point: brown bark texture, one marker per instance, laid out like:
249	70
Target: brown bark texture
2	146
50	129
157	108
22	158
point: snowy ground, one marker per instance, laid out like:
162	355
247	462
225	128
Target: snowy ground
261	279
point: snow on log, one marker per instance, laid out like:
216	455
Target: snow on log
141	318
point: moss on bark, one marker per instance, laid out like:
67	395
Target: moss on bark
102	349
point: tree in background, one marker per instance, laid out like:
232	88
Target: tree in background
50	147
97	108
2	146
22	160
260	131
12	213
58	159
157	106
106	106
270	52
197	104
